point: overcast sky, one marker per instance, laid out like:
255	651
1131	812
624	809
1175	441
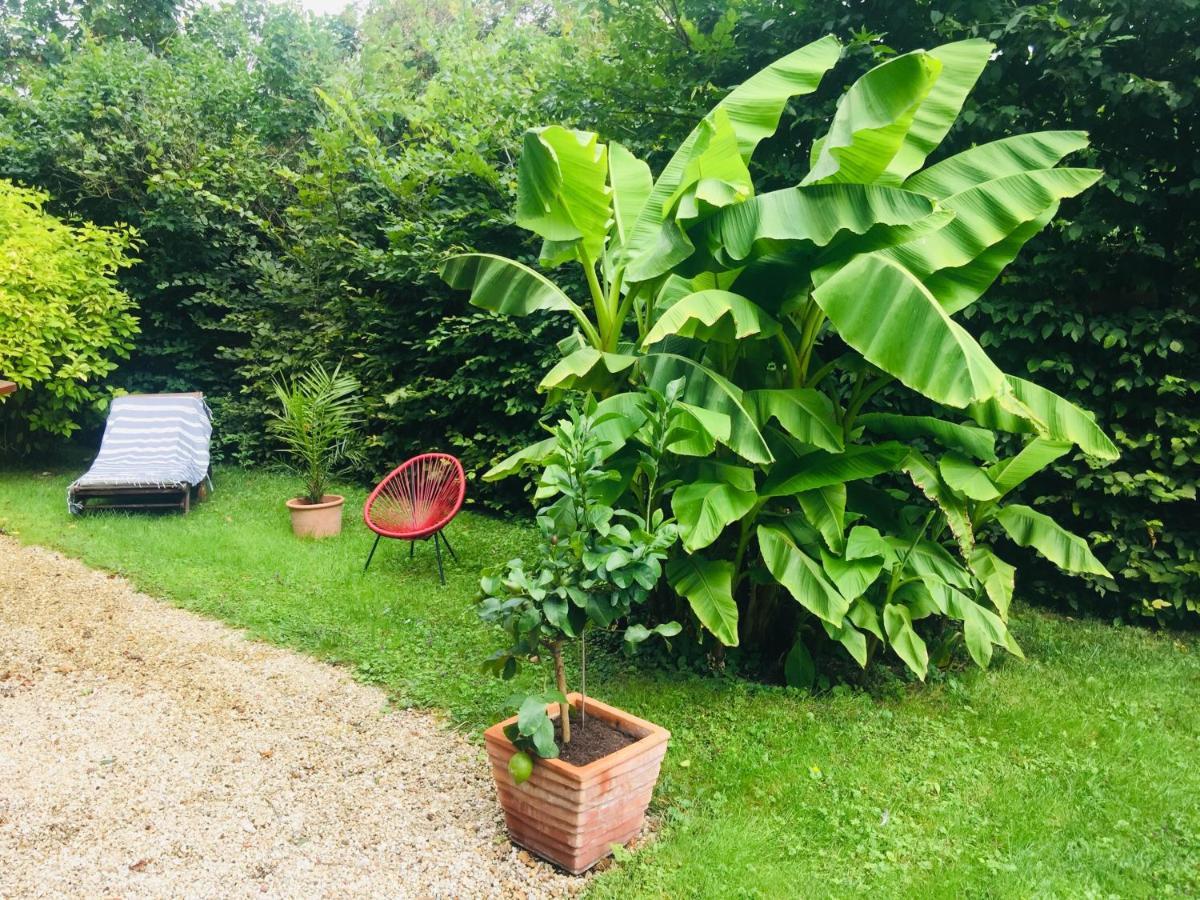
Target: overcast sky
325	6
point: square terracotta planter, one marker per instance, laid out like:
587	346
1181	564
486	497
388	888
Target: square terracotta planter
571	815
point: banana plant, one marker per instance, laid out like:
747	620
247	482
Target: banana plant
790	317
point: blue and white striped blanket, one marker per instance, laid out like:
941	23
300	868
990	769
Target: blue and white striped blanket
153	441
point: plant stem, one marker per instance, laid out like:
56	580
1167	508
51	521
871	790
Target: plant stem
560	680
602	317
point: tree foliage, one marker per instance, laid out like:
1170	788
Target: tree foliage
64	320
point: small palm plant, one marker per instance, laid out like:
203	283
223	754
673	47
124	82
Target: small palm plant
319	413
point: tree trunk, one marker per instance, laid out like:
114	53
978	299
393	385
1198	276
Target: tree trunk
560	679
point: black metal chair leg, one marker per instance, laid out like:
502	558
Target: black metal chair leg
446	540
372	553
412	546
437	548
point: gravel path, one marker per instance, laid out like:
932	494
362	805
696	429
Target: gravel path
146	751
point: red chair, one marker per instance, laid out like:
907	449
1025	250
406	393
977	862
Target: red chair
415	502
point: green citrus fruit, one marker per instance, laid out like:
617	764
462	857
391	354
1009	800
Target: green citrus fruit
520	767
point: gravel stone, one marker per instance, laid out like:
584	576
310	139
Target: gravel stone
146	751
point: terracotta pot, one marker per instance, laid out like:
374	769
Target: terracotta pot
571	815
317	520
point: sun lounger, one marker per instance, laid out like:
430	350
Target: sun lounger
154	454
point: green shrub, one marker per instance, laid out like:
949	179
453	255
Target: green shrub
64	322
785	314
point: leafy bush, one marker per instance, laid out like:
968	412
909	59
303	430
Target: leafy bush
64	320
785	313
1102	305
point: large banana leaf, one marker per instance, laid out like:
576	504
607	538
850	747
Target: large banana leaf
790	476
804	413
587	369
977	442
708	390
852	577
801	575
713	316
1030	528
967	478
703	509
816	215
753	110
904	641
849	637
962	63
987	214
1053	416
631	184
927	479
825	509
958	287
872	119
716	174
981	629
1022	153
562	191
509	287
882	311
707	585
1034	457
997	577
533	455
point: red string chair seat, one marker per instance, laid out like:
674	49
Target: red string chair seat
416	501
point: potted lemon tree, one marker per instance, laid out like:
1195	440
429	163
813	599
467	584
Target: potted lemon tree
575	775
319	413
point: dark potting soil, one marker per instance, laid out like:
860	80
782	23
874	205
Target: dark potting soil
589	742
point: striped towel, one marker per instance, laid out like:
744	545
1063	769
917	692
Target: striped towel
153	441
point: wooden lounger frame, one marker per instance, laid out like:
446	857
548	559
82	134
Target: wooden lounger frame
126	497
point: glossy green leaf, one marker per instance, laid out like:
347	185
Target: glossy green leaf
986	215
929	481
817	215
872	119
533	455
997	576
753	110
819	468
707	585
884	313
1034	456
562	190
1021	153
1030	528
851	577
803	577
703	509
825	509
977	442
806	414
712	316
587	369
509	287
708	390
967	478
962	63
1030	408
849	637
631	183
905	642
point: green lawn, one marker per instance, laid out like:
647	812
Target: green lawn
1073	773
